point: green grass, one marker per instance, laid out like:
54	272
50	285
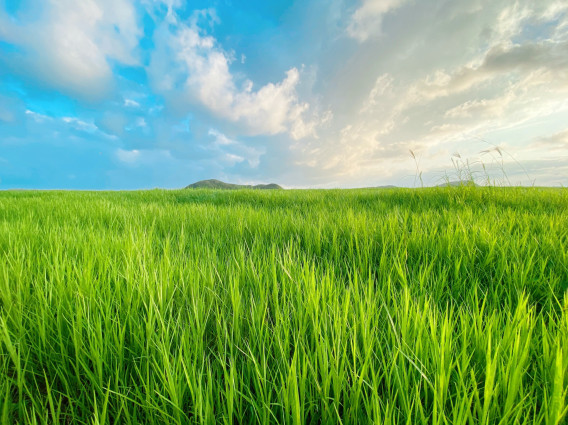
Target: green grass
432	306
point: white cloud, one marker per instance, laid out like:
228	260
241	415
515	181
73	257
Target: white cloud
200	73
128	156
72	122
230	152
129	103
79	124
69	46
366	21
37	117
146	159
382	90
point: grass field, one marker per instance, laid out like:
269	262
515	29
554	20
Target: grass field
433	306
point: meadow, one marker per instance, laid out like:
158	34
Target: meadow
383	306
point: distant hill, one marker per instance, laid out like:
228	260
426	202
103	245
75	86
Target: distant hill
218	184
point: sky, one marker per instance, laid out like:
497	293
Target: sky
123	94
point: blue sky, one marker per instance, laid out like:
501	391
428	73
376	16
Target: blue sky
120	94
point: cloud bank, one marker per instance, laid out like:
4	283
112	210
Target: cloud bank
128	94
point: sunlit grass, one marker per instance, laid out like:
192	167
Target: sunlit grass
433	306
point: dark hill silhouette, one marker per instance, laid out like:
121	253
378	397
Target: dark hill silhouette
218	184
